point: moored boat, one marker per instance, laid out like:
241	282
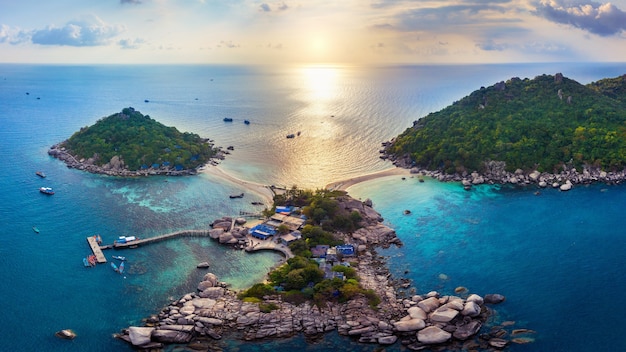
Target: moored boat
228	119
86	262
114	266
40	174
46	190
119	257
246	122
35	229
121	268
236	196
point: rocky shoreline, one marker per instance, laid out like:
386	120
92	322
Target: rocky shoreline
432	320
496	174
116	167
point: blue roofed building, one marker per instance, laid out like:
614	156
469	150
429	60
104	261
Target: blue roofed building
346	250
262	231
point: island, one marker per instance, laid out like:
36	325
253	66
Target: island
129	143
550	130
331	279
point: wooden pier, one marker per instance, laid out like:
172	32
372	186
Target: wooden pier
95	248
137	243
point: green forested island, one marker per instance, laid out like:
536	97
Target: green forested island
130	141
530	124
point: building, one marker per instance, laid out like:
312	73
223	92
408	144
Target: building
262	231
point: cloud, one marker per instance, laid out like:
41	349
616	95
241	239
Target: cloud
228	44
131	43
134	2
491	45
91	31
13	35
265	7
601	19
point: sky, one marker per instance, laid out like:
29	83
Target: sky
311	31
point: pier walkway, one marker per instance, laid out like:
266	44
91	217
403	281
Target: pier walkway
183	233
254	244
95	248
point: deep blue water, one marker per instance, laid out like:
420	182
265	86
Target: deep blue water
558	257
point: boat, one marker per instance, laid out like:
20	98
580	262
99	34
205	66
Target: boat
46	190
35	229
115	268
86	262
246	122
228	119
121	268
119	257
91	259
291	135
257	203
232	196
40	174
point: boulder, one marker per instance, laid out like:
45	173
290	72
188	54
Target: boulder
212	292
140	336
429	304
215	233
498	343
475	298
433	335
416	313
464	332
471	309
387	340
443	314
494	298
210	277
534	175
566	186
67	334
203	285
240	221
202	265
171	336
409	325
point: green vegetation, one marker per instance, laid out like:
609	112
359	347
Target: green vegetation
301	279
140	142
526	123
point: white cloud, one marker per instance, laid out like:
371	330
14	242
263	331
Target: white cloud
604	19
90	31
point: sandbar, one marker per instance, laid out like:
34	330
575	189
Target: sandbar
343	185
264	191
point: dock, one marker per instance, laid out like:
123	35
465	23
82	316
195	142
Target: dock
140	242
95	248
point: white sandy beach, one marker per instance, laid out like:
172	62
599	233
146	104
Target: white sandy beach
263	190
343	185
268	195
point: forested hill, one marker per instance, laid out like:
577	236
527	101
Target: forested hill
138	142
538	123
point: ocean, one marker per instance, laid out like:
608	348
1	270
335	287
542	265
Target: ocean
556	256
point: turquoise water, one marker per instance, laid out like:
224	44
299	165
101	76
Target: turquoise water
557	256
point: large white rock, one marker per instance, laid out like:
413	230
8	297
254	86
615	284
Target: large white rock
409	325
416	313
429	304
139	336
471	309
534	175
433	335
443	314
566	186
475	298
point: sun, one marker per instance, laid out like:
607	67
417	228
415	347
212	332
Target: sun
318	49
